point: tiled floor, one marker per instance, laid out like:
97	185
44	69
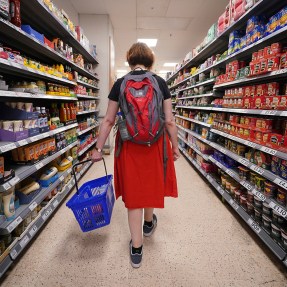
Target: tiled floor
199	242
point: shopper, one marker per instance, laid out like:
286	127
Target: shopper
140	175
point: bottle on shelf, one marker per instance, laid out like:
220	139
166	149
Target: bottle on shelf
40	117
15	12
68	112
8	203
63	113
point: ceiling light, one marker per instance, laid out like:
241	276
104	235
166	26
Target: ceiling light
163	72
169	64
122	71
149	42
126	64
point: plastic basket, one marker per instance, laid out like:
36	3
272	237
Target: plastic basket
92	205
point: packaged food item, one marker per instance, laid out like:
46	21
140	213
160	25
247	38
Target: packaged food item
281	196
260	183
243	172
270	189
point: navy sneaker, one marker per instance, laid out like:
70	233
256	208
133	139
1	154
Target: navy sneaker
149	230
136	258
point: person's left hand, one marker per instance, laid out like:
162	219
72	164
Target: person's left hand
96	156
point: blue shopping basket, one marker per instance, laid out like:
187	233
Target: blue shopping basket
93	202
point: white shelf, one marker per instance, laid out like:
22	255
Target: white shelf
196	96
207	82
87	112
194	121
86	130
87	97
87	85
87	147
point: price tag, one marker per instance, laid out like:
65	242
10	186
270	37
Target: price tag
33	206
221	191
69	170
251	144
24	241
47	213
246	185
233	204
16	65
269	113
33	230
39	165
70	186
22	142
257	193
257	169
268	150
219	165
35	138
230	172
281	182
8	147
222	150
254	225
63	151
13	253
14	180
14	224
56	203
244	161
278	209
61	178
6	186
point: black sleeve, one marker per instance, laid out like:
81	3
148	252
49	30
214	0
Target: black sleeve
115	91
164	88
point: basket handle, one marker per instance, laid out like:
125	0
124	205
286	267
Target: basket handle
82	162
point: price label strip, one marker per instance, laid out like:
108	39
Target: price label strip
244	161
233	204
33	230
254	225
246	185
14	224
13	253
61	178
230	172
269	112
47	213
7	147
22	142
39	165
281	182
257	169
278	209
258	194
14	180
56	203
268	150
33	206
24	241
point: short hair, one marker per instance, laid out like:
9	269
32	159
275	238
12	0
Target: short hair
140	54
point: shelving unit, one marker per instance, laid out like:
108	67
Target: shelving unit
51	27
184	104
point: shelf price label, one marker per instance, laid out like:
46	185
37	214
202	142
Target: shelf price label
33	206
13	253
39	165
33	230
61	178
257	169
24	241
230	172
281	182
14	224
6	186
269	113
22	142
257	193
244	161
7	147
233	204
251	144
246	185
278	209
56	203
254	225
268	150
221	191
14	180
222	150
47	213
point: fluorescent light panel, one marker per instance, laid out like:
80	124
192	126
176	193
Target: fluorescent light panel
149	42
122	71
126	64
169	64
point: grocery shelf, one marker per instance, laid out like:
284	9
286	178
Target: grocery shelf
275	75
205	156
24	210
87	147
87	97
221	42
5	264
273	152
87	85
194	121
86	130
282	211
203	83
239	111
16	36
11	94
263	235
45	213
87	112
197	96
6	146
33	10
21	70
22	172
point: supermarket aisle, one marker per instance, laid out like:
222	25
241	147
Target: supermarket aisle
198	242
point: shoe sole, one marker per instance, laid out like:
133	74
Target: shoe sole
136	265
151	233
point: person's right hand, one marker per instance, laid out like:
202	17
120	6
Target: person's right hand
96	156
176	153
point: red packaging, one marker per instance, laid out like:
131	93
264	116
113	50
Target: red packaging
283	61
248	103
254	56
272	89
259	102
241	92
257	67
258	136
268	103
267	124
240	103
276	48
267	51
263	66
260	54
283	103
273	63
275	139
275	102
261	90
265	137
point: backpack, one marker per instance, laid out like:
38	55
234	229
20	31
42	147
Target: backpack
141	105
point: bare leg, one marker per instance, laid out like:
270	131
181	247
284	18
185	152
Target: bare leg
135	217
148	213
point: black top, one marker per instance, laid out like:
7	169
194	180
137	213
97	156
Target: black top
115	91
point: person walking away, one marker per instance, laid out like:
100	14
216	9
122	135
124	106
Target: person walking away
144	170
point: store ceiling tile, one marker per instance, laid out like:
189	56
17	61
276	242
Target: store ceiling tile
186	8
152	8
163	23
89	7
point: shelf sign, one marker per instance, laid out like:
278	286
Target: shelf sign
33	230
257	193
281	182
22	142
269	113
24	241
56	203
39	165
61	178
14	224
6	186
221	191
233	204
268	150
254	225
244	161
13	253
246	185
278	209
47	213
230	172
33	206
8	147
257	169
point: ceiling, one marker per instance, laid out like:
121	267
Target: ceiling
179	25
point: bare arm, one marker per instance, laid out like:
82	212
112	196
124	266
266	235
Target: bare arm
171	127
105	127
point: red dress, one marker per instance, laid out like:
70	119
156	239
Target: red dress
139	174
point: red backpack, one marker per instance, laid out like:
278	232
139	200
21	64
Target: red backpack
141	105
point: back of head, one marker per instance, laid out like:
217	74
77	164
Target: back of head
140	54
